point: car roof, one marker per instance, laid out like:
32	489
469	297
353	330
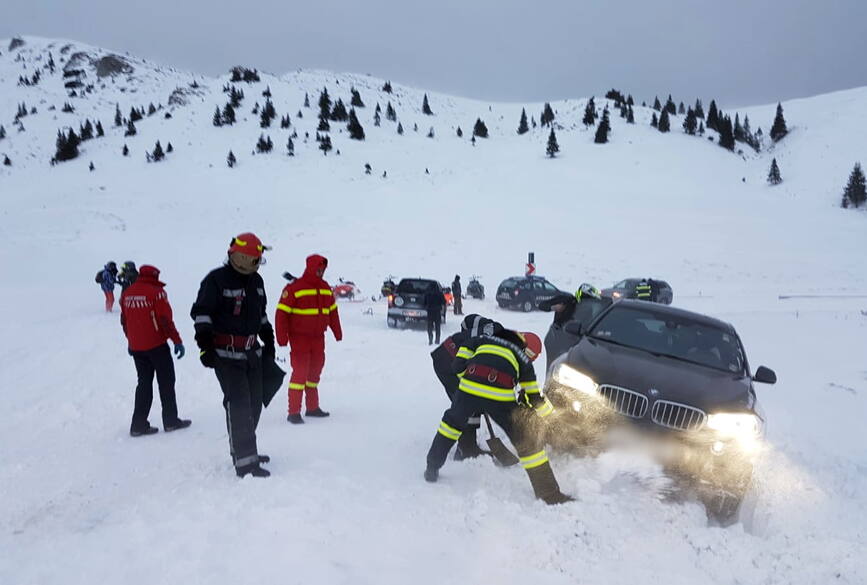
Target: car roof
519	278
419	279
674	312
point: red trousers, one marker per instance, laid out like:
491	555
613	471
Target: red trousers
109	300
307	356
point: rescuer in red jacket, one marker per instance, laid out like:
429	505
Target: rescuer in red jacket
306	309
146	318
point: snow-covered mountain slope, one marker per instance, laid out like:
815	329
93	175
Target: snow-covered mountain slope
84	502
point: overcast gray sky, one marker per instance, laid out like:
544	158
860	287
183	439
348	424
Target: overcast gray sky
740	52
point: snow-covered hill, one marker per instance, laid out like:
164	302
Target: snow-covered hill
84	502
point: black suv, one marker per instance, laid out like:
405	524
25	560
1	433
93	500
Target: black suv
406	304
667	374
525	292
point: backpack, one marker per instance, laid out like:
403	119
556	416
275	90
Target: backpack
99	276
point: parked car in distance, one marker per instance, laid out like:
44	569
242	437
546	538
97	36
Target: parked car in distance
406	305
525	292
625	289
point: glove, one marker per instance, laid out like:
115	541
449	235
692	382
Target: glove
269	351
544	408
179	350
208	358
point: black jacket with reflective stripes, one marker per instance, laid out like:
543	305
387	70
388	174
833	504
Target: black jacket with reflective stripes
231	303
499	355
472	326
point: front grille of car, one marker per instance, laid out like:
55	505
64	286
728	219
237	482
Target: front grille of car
623	401
675	415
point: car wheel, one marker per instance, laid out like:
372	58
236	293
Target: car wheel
392	322
527	306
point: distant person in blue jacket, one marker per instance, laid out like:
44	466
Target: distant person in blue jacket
106	279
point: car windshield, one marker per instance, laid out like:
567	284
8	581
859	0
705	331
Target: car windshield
509	283
417	287
675	336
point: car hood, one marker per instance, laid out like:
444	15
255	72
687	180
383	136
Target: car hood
706	388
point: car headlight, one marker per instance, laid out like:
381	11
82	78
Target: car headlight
740	425
572	378
398	301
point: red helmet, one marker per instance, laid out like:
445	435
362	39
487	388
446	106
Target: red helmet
249	244
534	344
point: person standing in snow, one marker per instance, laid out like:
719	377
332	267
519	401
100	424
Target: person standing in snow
457	293
230	319
106	280
434	304
443	358
306	309
127	274
146	318
583	306
490	367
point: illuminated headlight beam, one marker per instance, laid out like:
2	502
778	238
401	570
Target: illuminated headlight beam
572	378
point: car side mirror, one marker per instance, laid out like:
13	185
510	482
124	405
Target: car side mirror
575	328
765	375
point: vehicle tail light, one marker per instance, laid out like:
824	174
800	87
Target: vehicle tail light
390	300
516	292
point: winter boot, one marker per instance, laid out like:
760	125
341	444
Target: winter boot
177	425
431	475
317	413
545	485
295	419
252	469
467	447
143	431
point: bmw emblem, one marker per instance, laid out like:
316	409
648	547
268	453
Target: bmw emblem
654	392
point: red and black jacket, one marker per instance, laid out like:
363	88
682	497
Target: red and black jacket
145	313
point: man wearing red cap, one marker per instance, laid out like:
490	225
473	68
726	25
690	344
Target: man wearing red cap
230	319
306	309
490	368
146	318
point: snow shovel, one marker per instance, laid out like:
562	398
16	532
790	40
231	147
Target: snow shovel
499	451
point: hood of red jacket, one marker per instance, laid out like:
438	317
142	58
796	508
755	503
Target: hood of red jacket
150	275
314	263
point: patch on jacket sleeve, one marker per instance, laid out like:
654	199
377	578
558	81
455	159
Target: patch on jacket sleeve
284	295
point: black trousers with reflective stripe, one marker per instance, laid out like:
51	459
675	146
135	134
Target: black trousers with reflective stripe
513	419
450	382
147	363
241	381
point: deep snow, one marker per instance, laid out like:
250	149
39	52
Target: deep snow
83	502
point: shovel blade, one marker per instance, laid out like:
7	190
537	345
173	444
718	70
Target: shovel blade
501	453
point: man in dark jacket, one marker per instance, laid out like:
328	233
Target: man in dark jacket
434	303
583	307
491	367
444	357
146	318
127	274
457	293
230	318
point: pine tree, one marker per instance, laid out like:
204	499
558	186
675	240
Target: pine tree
377	120
430	133
699	109
324	103
522	125
367	168
134	115
125	151
425	107
264	144
460	132
387	87
86	131
629	101
400	128
7	162
589	113
654	121
855	193
306	100
664	121
356	132
656	105
670	107
218	118
415	127
324	126
158	153
91	167
290	147
169	148
712	116
774	177
779	129
603	129
390	113
228	114
67	145
701	128
690	124
553	148
547	117
726	133
99	131
680	109
630	116
118	118
325	145
339	113
230	159
479	129
2	132
356	102
264	119
152	109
